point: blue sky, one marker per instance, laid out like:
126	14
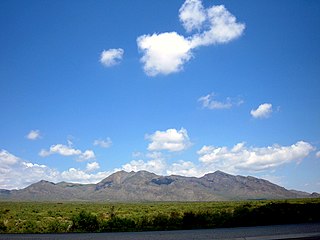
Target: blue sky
173	87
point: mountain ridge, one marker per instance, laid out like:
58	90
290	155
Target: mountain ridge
146	186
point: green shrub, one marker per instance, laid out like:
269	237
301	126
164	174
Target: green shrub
57	226
117	224
85	222
30	227
3	228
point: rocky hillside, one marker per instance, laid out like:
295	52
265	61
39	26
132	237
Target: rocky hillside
146	186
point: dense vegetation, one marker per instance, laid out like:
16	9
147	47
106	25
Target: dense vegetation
31	217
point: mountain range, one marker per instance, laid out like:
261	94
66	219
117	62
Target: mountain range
145	186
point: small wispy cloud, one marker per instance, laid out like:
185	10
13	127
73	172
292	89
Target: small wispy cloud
111	57
210	102
263	111
104	143
33	135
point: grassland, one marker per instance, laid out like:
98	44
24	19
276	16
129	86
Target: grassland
48	217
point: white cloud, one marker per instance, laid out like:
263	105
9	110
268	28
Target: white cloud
318	154
87	155
92	166
79	176
61	150
170	140
242	158
111	57
209	102
223	28
12	168
67	151
166	53
163	53
192	15
103	143
156	166
7	158
156	163
263	111
33	135
185	168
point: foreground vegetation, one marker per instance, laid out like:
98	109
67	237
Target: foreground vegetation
35	217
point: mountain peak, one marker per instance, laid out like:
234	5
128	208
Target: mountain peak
220	173
42	182
216	174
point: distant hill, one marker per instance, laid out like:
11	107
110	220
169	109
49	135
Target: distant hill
146	186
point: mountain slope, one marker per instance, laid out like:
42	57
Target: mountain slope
146	186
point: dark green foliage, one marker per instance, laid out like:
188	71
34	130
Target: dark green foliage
85	222
57	226
117	224
30	227
160	222
3	227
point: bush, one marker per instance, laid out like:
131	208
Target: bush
30	227
117	224
3	228
85	222
57	226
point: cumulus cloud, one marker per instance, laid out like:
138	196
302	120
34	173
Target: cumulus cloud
223	28
170	140
263	111
87	155
92	166
185	168
166	53
67	151
192	15
155	162
252	159
13	167
33	135
209	102
161	167
7	158
318	154
111	57
103	143
156	166
75	175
